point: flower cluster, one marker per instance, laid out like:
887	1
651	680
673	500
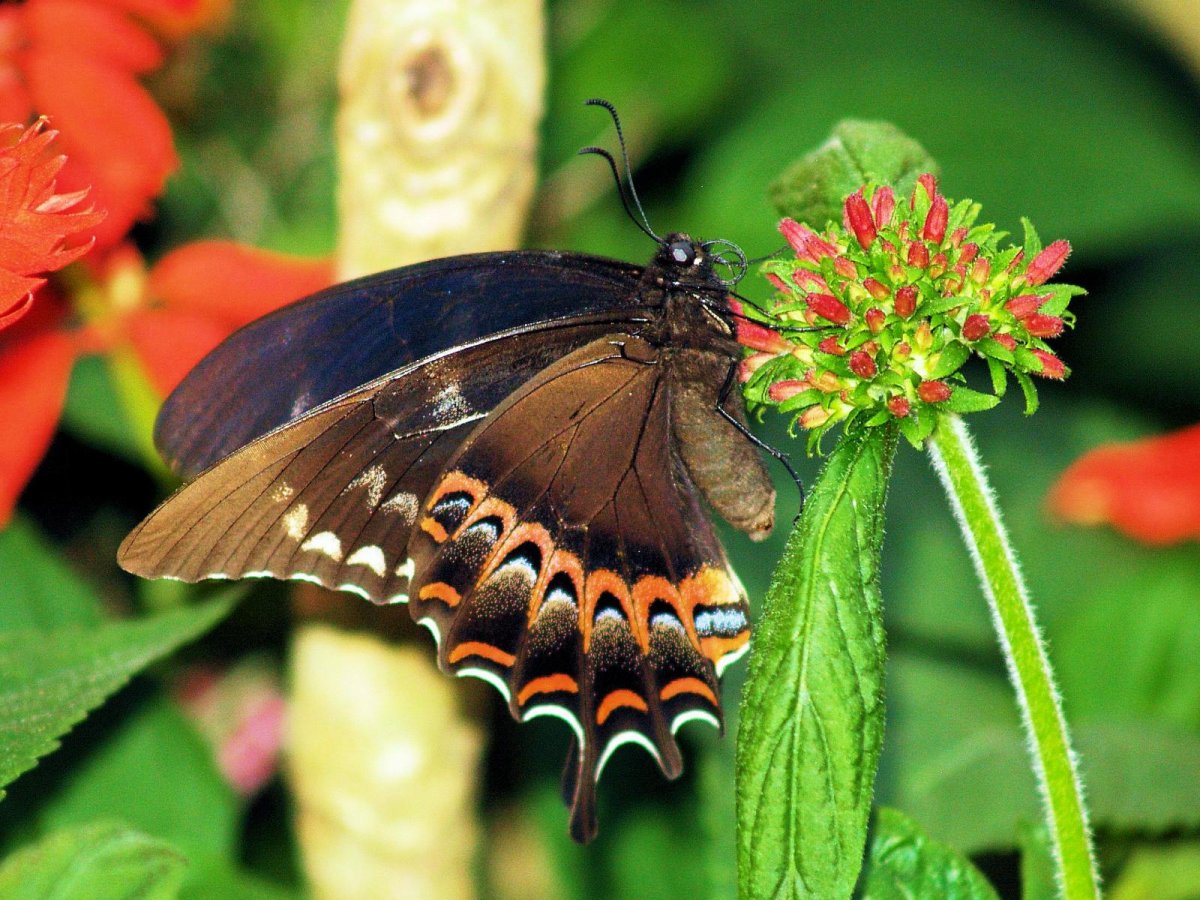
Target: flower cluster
875	319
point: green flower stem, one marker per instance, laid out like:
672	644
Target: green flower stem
957	464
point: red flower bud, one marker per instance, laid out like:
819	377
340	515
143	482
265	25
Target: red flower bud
1052	366
906	301
976	327
1026	305
918	254
933	391
923	336
883	204
1044	326
969	252
877	289
862	365
829	308
928	182
981	271
956	236
1007	341
786	389
778	283
901	351
875	318
831	345
856	215
825	381
935	221
937	265
757	337
806	242
1046	263
845	267
1016	261
899	407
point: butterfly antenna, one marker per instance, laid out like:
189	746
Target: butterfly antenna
644	224
772	255
612	164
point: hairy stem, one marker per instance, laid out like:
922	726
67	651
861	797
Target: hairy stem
957	464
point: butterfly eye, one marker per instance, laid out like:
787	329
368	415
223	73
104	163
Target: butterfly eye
682	253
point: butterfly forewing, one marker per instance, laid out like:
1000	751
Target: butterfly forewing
563	556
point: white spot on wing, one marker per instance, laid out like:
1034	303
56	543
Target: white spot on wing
325	542
374	480
694	715
404	503
730	658
558	712
406	569
490	677
450	403
295	521
619	740
433	629
371	556
283	491
352	588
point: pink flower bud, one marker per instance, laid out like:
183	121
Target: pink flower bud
829	308
875	318
918	254
857	217
928	182
969	252
824	381
901	351
883	204
810	281
758	337
1052	366
831	345
877	289
845	267
981	271
787	389
862	365
814	417
806	242
923	336
1007	341
933	391
778	283
976	327
1046	263
1044	326
899	407
752	364
1026	305
906	301
935	221
957	236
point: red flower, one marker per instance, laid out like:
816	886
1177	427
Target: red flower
34	220
1048	262
933	391
77	62
856	215
1148	489
167	318
829	307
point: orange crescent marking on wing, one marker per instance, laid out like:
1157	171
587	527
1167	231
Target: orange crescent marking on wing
654	587
597	583
533	532
548	684
490	506
615	700
478	648
434	529
461	482
688	686
717	647
560	561
439	590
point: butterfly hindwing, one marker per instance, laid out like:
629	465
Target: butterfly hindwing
564	556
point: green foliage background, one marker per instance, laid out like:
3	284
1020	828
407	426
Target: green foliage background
1074	114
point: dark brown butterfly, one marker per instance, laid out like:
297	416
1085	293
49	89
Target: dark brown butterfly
515	444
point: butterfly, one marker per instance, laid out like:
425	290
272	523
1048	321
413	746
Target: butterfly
518	445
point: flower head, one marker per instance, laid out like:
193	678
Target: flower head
35	220
875	318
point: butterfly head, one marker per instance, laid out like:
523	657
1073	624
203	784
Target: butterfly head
687	262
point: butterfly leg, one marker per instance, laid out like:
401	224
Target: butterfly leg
758	442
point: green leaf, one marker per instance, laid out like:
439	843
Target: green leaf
40	591
1160	873
950	360
1028	389
812	710
95	862
49	680
93	410
999	376
812	189
1032	245
1037	864
117	778
964	400
904	863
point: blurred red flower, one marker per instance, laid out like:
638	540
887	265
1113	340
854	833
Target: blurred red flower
35	222
1147	489
77	62
168	317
